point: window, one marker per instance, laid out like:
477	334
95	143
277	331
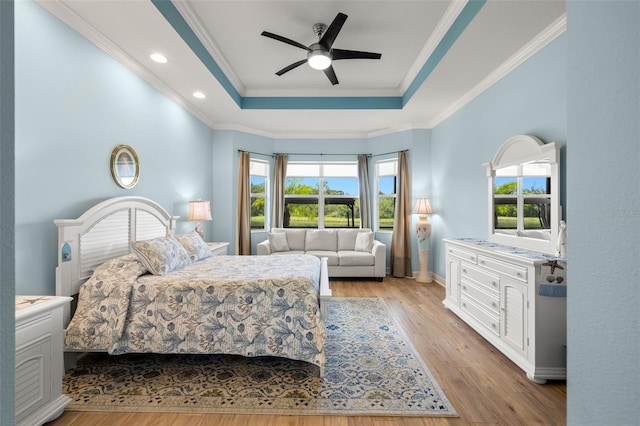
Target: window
322	195
522	197
258	173
386	179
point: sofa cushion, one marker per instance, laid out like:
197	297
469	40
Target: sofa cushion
321	239
364	242
278	242
332	256
355	258
347	239
295	238
288	252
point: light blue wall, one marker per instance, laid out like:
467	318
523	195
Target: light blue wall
529	100
603	210
74	104
226	144
7	273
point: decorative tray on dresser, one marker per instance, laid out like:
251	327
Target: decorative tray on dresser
39	359
513	297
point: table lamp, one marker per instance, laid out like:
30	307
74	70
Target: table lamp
198	211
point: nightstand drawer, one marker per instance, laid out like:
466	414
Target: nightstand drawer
35	329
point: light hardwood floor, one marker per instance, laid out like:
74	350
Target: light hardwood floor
483	385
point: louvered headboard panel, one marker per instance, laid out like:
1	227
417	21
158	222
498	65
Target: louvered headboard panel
102	233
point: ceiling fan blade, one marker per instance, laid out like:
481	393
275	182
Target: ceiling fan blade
292	66
332	32
337	54
284	40
331	75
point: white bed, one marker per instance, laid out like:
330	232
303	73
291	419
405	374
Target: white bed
224	323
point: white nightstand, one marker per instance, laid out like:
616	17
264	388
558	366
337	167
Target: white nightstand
218	249
39	359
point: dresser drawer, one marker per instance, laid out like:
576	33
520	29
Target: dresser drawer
490	301
463	254
511	270
489	281
470	306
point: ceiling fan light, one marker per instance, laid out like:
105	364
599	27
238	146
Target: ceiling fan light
319	59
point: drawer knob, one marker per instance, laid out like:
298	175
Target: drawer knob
493	283
482	262
518	274
471	258
493	304
493	325
464	305
464	270
464	287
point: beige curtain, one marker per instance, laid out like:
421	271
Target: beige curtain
243	218
364	192
279	177
401	237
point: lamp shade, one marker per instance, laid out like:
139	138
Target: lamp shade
199	210
422	207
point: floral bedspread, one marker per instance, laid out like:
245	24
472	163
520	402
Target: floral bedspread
243	305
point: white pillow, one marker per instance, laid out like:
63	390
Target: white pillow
278	242
364	242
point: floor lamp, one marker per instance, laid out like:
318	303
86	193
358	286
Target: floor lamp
423	232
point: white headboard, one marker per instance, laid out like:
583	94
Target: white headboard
104	232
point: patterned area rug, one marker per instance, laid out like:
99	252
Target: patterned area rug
372	369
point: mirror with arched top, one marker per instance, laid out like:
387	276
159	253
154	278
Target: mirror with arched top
523	183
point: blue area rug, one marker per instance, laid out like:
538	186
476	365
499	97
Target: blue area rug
372	369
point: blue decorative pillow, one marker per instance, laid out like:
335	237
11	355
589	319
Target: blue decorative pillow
161	255
195	246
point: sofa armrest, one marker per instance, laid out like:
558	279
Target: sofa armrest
379	251
264	247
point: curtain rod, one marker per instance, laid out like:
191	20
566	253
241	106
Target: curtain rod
321	154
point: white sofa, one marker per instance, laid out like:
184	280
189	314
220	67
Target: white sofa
349	252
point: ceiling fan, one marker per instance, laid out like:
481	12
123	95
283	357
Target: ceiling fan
321	54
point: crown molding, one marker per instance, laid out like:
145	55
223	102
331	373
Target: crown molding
58	9
73	20
205	38
557	28
444	25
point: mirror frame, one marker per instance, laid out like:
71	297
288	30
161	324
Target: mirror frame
516	151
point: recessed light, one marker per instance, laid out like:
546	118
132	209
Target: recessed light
159	58
199	95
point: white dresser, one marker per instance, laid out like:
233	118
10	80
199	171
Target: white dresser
515	298
39	359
